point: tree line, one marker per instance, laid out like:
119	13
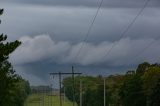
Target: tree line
140	87
13	88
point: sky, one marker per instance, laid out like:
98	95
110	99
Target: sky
53	31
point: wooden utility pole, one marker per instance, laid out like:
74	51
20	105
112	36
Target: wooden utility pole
60	95
73	85
104	91
50	93
80	93
60	82
64	95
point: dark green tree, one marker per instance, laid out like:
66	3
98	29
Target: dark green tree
8	78
150	79
142	68
21	91
92	90
131	92
155	96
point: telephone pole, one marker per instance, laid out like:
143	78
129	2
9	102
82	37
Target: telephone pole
73	85
104	91
80	93
64	95
60	82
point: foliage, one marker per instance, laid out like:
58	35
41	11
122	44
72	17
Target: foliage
132	93
92	87
21	92
13	89
135	88
142	68
155	96
150	79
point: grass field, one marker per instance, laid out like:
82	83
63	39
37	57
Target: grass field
45	100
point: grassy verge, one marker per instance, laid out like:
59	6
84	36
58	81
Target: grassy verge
45	100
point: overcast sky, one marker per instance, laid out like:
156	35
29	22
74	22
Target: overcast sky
52	32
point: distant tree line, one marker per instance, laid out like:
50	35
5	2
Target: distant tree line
13	88
140	87
41	89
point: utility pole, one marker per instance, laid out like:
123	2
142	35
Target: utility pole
60	95
73	85
39	94
43	93
64	95
60	82
80	93
104	91
50	93
50	96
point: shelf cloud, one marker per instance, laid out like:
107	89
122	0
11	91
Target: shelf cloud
43	47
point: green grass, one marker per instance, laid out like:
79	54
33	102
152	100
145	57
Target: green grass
45	100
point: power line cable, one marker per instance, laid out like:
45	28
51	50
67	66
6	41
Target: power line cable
128	27
142	51
89	30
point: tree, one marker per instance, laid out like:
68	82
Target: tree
133	89
8	78
92	90
132	93
114	83
142	68
150	80
155	96
21	91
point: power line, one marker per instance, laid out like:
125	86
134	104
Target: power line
89	30
142	51
128	27
60	82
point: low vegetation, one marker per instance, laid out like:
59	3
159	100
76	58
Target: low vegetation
44	99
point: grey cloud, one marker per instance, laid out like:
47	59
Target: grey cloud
88	3
33	78
71	24
67	26
42	47
40	55
39	48
38	74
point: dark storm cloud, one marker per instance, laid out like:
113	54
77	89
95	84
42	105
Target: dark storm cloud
63	52
38	70
71	24
88	3
53	30
40	55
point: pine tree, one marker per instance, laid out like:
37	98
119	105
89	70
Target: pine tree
8	78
